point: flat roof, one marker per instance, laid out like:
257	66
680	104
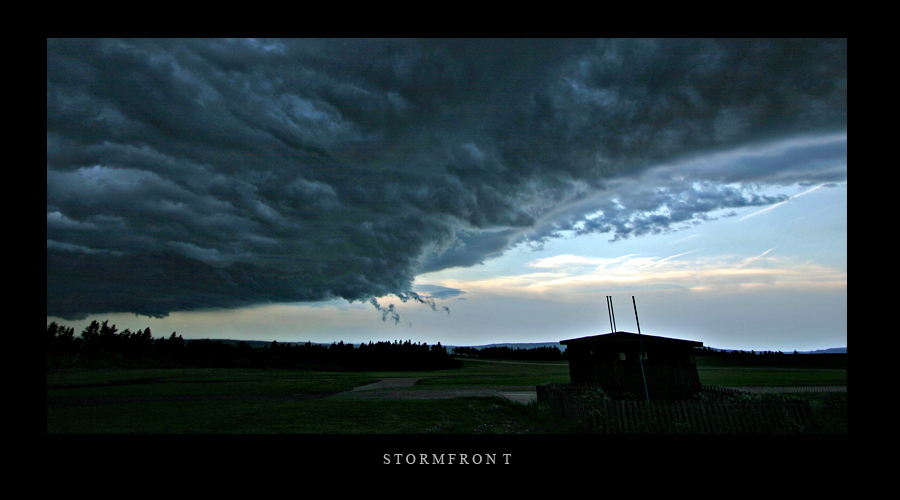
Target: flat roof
631	337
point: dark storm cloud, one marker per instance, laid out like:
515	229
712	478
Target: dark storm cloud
217	173
670	197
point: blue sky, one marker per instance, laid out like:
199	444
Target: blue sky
463	192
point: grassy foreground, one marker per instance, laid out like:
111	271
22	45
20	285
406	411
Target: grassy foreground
181	401
193	401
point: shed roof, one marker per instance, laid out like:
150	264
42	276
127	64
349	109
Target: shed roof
632	337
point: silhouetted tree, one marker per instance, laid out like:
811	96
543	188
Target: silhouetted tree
101	344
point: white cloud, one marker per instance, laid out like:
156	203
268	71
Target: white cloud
573	276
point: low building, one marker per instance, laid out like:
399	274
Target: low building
621	362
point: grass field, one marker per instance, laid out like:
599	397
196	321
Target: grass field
256	401
750	376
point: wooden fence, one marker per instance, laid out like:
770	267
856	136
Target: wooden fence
714	411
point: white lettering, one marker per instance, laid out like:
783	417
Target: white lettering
442	458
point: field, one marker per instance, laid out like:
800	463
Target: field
260	401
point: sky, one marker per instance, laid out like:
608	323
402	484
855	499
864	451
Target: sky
466	191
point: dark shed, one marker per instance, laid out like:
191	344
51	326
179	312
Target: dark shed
612	362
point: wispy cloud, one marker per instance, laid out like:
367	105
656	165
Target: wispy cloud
574	275
672	257
776	205
750	260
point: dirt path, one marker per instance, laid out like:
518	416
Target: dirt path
389	388
403	388
388	383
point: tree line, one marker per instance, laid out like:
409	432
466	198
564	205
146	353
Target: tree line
710	351
544	353
775	358
103	345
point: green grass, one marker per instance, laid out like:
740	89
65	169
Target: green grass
322	416
200	381
318	416
736	377
335	415
498	376
728	373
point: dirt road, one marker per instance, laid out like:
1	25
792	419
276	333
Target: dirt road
389	388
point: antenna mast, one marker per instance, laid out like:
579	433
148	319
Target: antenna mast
612	314
641	353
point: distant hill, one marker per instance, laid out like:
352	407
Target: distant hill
833	350
532	345
525	345
262	343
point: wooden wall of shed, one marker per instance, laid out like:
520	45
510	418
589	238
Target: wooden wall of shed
665	379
